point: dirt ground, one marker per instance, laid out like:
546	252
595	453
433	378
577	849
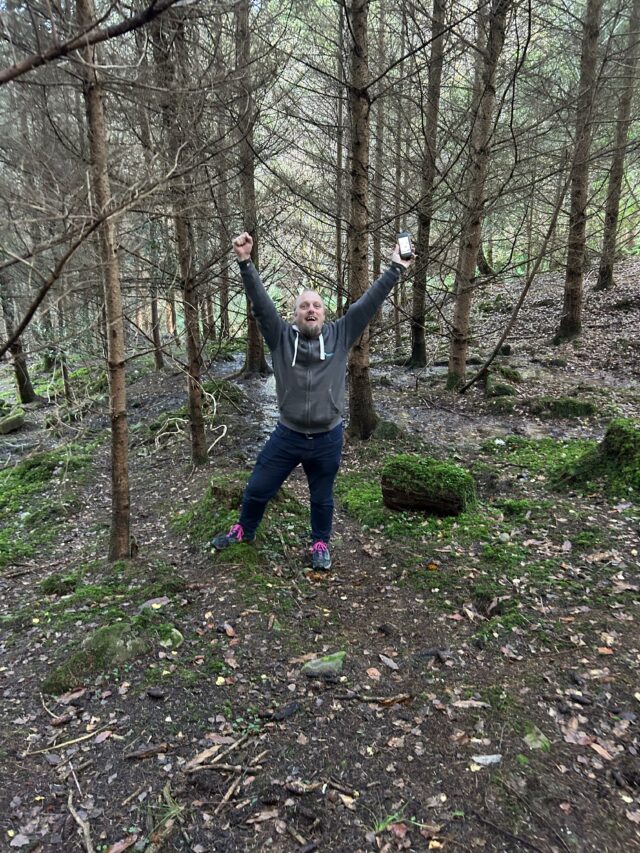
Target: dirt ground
490	695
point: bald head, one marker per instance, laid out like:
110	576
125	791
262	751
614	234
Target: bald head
309	313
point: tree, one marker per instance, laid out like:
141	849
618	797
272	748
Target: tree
255	362
363	418
26	394
119	539
418	357
491	34
571	319
623	122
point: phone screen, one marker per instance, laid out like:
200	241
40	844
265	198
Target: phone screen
404	244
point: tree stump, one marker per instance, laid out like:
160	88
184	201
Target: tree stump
424	484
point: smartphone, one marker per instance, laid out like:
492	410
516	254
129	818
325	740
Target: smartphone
404	245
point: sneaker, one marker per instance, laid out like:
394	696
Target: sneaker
235	535
320	556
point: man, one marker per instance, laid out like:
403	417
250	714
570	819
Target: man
309	362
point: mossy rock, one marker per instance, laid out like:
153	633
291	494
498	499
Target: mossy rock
222	388
109	646
511	374
388	431
562	407
503	405
12	422
502	389
615	462
427	485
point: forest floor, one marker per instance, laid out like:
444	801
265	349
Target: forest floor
490	695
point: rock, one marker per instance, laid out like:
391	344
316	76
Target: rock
12	422
155	693
330	665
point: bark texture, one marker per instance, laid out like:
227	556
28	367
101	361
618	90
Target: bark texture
26	393
363	418
571	319
255	362
418	357
119	540
614	189
491	34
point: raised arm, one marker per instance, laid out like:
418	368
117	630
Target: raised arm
363	310
265	312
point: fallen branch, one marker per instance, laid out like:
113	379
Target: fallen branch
385	701
84	826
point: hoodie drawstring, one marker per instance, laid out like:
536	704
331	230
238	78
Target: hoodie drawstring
295	347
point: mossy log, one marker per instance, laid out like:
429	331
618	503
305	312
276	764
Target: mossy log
424	484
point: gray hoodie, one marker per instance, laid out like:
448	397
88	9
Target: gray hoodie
310	372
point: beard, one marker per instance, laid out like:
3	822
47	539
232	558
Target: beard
311	329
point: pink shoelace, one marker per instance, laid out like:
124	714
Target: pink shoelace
236	529
319	546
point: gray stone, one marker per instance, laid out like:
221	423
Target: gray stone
330	665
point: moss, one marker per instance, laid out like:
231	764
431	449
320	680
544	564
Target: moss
539	456
615	462
60	584
424	475
503	405
500	389
388	431
562	407
223	390
109	646
511	374
31	517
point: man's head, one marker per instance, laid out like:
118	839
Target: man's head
309	313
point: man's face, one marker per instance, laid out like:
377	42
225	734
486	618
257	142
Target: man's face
309	313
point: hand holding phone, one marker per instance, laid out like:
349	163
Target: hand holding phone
405	247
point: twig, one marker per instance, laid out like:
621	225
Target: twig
233	787
506	832
51	714
536	814
230	768
338	786
67	742
84	826
133	796
296	836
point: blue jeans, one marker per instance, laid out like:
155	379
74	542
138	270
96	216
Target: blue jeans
319	454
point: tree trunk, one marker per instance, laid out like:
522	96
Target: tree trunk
26	394
381	106
363	418
119	540
255	363
571	319
477	170
340	167
418	357
614	190
167	38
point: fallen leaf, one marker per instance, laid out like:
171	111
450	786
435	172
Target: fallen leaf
388	662
633	816
262	816
67	698
124	844
396	742
399	830
604	650
470	703
374	673
348	801
602	752
103	736
20	840
508	652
